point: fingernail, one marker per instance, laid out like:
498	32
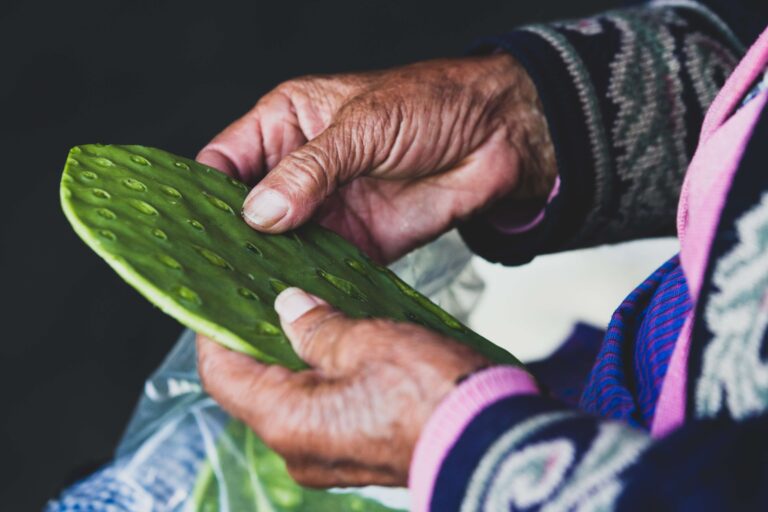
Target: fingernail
265	208
293	303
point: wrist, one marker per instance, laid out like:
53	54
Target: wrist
523	121
451	417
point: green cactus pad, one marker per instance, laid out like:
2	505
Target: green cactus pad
170	227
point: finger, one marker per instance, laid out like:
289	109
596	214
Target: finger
341	474
316	330
242	385
253	144
238	150
291	192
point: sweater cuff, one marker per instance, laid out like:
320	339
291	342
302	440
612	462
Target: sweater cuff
509	218
604	99
452	416
564	99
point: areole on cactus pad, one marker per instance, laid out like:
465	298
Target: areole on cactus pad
171	228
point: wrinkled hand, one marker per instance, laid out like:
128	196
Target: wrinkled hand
390	159
355	416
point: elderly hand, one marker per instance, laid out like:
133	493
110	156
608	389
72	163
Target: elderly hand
355	416
390	159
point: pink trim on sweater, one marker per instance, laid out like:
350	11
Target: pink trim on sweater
452	416
732	92
707	182
512	221
706	185
737	85
714	167
711	171
670	407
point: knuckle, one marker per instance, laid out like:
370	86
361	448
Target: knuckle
300	474
270	424
368	338
285	94
305	83
372	329
370	123
305	86
272	436
323	332
291	87
320	93
259	396
373	111
307	169
205	369
204	379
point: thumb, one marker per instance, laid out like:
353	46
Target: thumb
316	330
294	189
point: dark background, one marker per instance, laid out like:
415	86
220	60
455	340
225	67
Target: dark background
76	341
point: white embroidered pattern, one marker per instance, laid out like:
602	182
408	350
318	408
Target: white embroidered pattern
708	13
594	485
483	475
530	476
585	27
707	63
512	478
734	375
649	132
649	135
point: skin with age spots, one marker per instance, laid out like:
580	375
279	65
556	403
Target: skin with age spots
355	416
390	160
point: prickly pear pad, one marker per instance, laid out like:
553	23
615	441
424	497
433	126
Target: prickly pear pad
171	228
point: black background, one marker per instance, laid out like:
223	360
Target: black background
77	342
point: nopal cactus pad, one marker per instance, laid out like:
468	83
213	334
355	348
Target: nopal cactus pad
170	227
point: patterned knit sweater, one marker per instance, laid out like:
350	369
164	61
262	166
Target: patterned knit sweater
625	94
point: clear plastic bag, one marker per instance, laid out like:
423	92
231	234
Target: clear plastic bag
181	452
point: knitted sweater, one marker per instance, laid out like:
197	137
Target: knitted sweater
624	94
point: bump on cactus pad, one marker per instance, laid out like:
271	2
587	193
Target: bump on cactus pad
170	227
